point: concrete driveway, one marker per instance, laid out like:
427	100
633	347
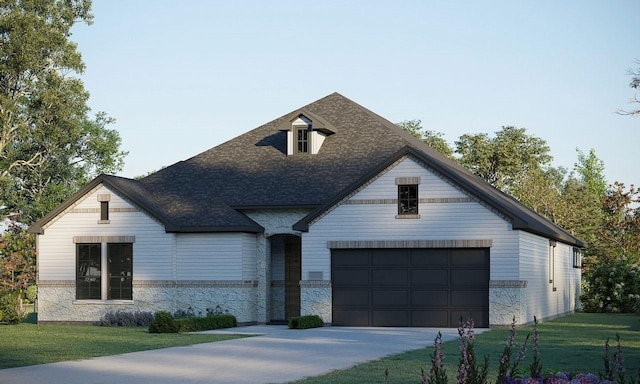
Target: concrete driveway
277	355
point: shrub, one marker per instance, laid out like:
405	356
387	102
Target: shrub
611	286
10	307
305	322
163	322
121	318
32	293
195	324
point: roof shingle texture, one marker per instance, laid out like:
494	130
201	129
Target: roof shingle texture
206	192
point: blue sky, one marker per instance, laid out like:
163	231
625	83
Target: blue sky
181	77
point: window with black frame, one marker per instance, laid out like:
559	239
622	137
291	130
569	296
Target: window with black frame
88	271
120	271
408	199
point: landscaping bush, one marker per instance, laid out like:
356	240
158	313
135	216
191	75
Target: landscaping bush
10	308
121	318
305	322
32	293
195	324
611	286
163	322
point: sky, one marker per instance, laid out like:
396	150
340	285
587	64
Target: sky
181	77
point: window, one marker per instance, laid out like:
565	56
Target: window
577	258
408	199
93	282
120	268
88	274
303	140
552	264
104	211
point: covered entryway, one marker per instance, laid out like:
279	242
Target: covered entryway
410	287
286	273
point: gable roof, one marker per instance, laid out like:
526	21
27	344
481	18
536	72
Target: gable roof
207	192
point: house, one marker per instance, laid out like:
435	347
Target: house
329	210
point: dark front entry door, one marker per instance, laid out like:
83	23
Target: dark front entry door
292	275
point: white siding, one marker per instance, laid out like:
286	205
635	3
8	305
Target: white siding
211	256
543	302
438	221
249	257
152	256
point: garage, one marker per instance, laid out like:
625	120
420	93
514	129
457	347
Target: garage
410	287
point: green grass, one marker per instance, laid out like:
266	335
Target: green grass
573	344
30	344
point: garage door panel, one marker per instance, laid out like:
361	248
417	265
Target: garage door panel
469	257
410	287
430	318
354	318
469	298
469	277
349	258
351	277
430	277
424	298
429	257
390	298
359	297
390	277
389	257
390	318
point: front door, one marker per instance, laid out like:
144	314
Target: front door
292	275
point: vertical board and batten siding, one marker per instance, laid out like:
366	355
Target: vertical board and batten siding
152	250
543	301
213	256
438	221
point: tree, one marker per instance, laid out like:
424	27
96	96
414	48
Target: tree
634	84
49	145
434	139
619	230
17	259
506	160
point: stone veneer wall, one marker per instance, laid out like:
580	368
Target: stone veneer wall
315	299
507	299
235	297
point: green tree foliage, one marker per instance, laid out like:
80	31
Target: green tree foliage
49	145
618	232
506	160
17	260
432	138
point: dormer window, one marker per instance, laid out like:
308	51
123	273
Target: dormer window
305	133
303	140
301	128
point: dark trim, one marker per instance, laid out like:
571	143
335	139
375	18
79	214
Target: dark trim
243	229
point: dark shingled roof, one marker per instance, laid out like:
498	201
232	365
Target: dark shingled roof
205	192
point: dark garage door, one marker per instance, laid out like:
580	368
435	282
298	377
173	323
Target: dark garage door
410	287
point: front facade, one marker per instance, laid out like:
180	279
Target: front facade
328	210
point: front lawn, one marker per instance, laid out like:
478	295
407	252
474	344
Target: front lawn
573	344
30	344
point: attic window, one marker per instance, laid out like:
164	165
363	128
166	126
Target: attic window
302	140
305	132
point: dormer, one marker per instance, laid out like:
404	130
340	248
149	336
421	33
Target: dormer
305	133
